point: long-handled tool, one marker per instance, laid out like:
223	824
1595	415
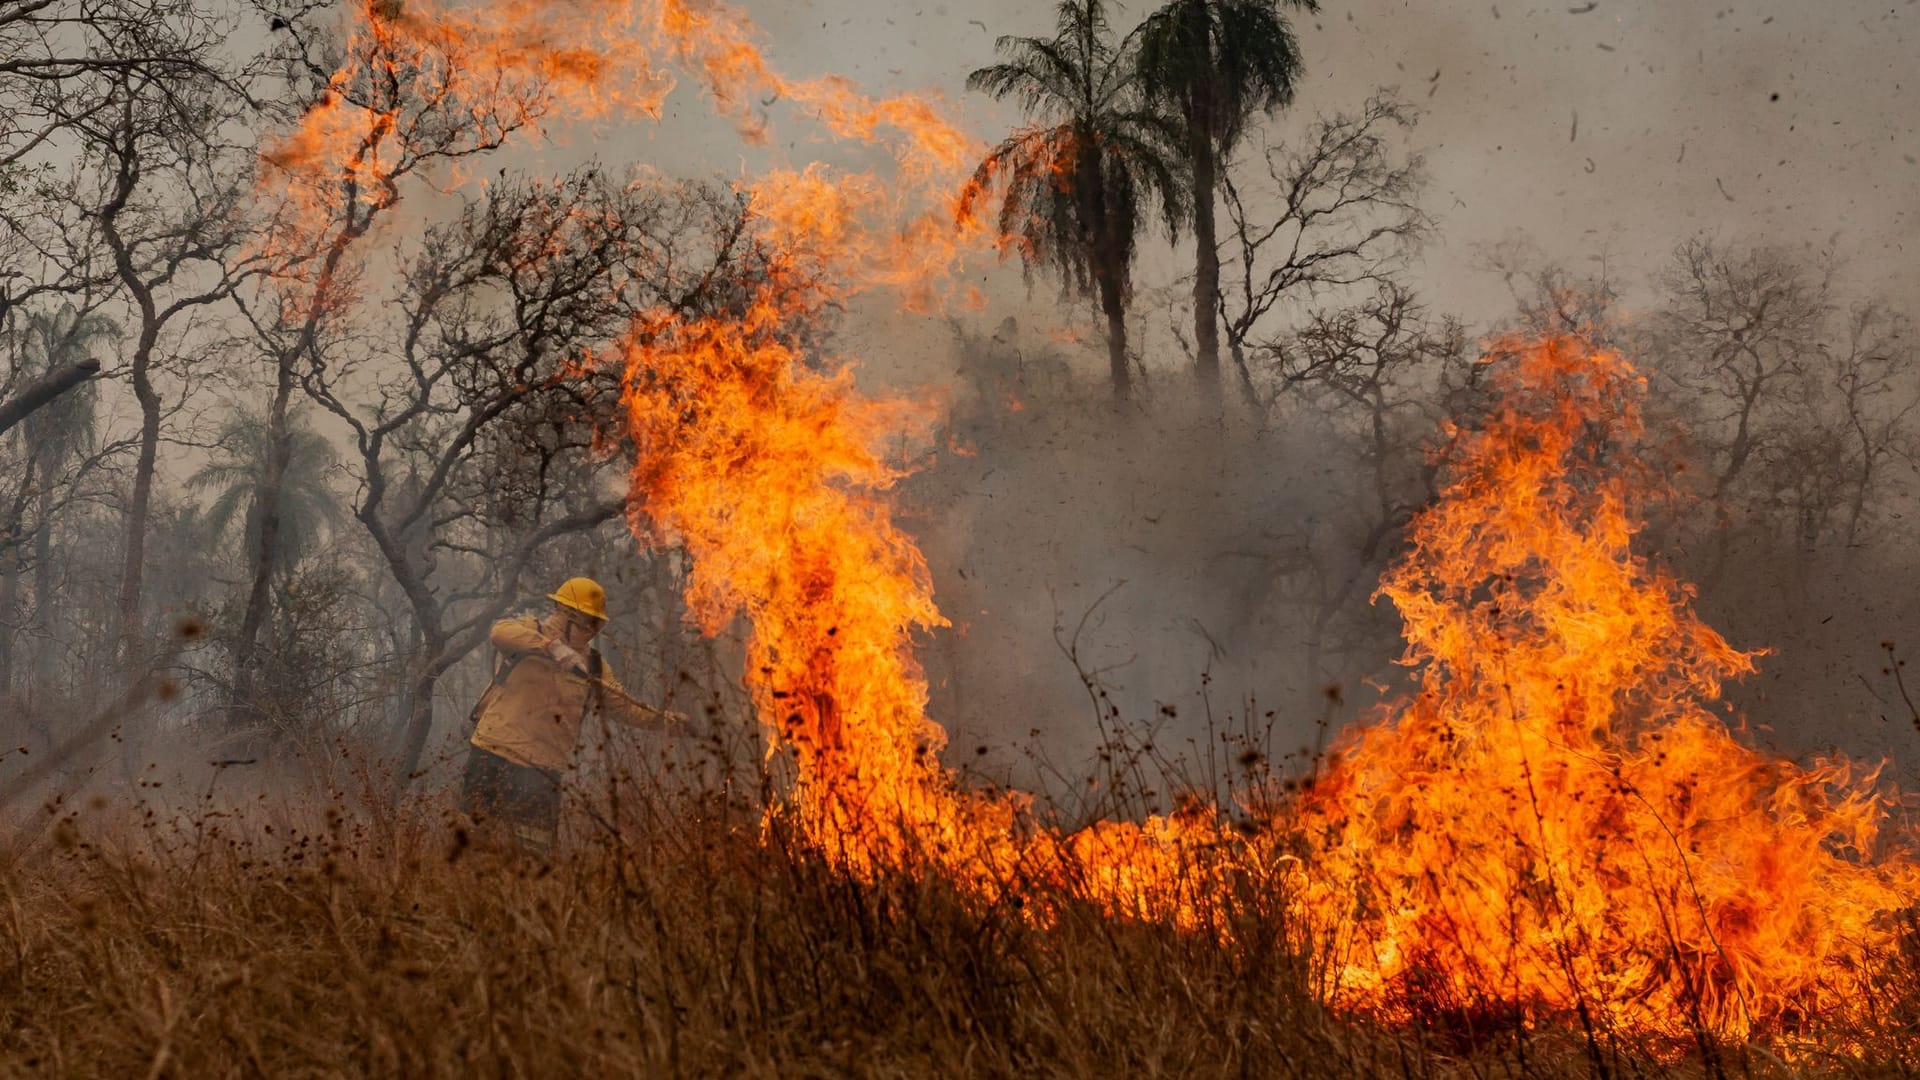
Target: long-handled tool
667	716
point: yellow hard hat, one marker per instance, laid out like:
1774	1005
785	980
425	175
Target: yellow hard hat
583	595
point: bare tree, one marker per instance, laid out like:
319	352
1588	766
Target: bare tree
66	67
403	110
1796	412
1737	336
50	50
1550	297
101	102
1875	378
473	414
1335	210
169	212
1379	374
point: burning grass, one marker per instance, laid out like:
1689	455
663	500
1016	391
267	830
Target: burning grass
1556	859
1561	825
678	934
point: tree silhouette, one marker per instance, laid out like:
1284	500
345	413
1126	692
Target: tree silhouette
55	434
1074	187
51	340
1213	64
237	477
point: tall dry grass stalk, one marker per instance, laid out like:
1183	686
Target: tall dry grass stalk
672	934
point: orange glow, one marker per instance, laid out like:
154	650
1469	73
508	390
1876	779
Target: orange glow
1561	815
1559	820
425	83
422	82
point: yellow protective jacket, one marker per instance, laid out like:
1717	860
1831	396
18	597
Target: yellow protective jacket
531	714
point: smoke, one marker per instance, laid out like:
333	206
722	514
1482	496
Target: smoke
1228	567
1208	576
1148	570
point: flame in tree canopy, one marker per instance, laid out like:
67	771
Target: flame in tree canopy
422	84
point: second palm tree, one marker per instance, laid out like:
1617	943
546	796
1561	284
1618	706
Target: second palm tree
1075	187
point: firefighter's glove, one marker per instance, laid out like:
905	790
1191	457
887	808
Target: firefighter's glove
567	657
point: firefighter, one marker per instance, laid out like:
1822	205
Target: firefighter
547	677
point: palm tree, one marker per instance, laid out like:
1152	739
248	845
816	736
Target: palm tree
242	476
1214	63
55	434
1074	186
308	509
64	426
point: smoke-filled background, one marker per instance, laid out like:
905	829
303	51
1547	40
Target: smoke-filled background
302	526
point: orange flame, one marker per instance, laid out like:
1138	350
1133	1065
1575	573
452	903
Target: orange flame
722	409
423	81
1559	817
1559	820
434	82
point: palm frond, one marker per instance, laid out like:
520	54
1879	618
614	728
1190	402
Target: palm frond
53	339
1219	62
1071	187
1038	74
308	509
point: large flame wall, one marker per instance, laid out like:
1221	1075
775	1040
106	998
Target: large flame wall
1559	821
1560	816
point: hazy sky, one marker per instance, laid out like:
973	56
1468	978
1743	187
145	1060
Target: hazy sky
1582	124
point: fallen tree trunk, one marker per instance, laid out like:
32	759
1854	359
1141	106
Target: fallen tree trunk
44	390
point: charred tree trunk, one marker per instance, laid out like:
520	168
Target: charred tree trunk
1114	306
133	564
1249	393
43	589
1206	268
262	558
9	606
44	390
423	681
1107	259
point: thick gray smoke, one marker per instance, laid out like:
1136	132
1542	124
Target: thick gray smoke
1200	573
1153	570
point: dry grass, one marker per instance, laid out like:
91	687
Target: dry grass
671	936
